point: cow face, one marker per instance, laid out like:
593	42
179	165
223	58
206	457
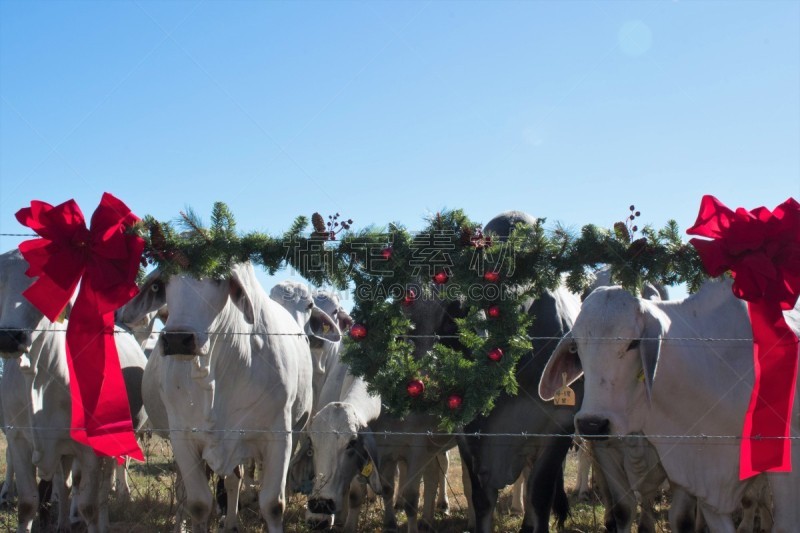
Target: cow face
195	306
614	343
320	327
19	319
434	320
339	456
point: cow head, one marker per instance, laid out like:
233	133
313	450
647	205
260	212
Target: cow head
321	329
434	321
615	344
195	306
19	319
342	450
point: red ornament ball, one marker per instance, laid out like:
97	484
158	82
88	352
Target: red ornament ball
386	253
495	354
493	311
415	388
358	331
440	278
454	401
409	298
492	276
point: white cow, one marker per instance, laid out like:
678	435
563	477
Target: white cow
648	370
236	386
37	405
299	300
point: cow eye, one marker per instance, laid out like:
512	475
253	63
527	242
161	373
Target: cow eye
156	286
634	344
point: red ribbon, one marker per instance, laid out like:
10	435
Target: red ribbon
105	260
761	248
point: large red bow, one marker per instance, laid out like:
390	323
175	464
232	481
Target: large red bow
105	259
761	248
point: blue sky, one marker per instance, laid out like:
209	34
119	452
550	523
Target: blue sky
388	111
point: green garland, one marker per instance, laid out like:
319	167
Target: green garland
383	265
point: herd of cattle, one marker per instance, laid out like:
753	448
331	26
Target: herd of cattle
241	377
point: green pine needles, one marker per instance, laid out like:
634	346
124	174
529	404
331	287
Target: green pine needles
390	270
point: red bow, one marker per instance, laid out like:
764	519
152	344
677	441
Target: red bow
105	260
762	251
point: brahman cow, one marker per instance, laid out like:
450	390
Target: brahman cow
494	462
236	383
649	367
36	405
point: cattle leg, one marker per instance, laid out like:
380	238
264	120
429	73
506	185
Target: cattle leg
272	497
683	511
8	491
410	491
546	484
785	496
465	480
27	491
120	484
388	474
584	464
198	495
442	503
61	487
232	486
718	523
518	493
430	479
90	487
609	459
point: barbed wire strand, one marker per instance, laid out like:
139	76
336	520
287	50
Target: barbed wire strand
387	434
408	336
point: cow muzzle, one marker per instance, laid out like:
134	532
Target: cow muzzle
180	343
13	342
593	427
320	506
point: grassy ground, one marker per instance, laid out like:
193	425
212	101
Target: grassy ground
153	487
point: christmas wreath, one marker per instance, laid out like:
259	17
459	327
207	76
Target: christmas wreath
450	260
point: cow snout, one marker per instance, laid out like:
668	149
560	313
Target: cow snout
593	427
319	506
179	343
13	342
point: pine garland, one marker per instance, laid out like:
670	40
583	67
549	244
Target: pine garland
384	265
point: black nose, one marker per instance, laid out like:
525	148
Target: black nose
179	343
592	427
13	340
321	506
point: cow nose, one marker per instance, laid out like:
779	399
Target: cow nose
318	506
13	341
179	343
593	427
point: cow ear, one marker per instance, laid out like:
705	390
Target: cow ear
344	319
564	360
152	295
374	478
322	325
650	348
239	289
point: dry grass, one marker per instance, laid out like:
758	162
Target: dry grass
153	488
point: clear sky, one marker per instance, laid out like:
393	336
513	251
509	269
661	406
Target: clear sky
387	111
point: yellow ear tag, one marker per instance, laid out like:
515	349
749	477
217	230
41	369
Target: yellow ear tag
367	470
325	328
640	376
564	395
62	316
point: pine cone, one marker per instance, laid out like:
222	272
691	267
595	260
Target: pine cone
621	231
318	222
